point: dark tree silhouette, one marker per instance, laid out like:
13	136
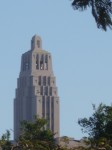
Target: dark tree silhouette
101	11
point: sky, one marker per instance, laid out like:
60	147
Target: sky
81	55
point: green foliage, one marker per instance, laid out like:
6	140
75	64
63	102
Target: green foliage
35	136
5	143
98	126
101	11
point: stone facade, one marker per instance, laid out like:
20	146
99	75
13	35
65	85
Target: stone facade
36	93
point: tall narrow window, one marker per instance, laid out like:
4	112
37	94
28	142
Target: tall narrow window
44	80
41	90
41	63
45	90
48	80
39	80
46	62
37	62
50	91
48	106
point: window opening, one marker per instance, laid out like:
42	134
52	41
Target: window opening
41	90
37	64
48	106
39	80
41	63
46	62
50	91
48	80
46	90
44	80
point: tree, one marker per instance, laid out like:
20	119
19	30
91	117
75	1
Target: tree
99	126
35	136
5	143
101	11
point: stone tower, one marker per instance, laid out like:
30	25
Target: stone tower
36	92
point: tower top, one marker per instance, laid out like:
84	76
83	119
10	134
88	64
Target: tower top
36	42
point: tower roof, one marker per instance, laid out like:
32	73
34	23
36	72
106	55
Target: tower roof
36	42
36	36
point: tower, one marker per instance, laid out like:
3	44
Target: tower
36	92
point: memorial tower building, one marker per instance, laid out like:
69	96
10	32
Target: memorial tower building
36	92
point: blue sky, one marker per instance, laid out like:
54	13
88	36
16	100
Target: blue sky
81	53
